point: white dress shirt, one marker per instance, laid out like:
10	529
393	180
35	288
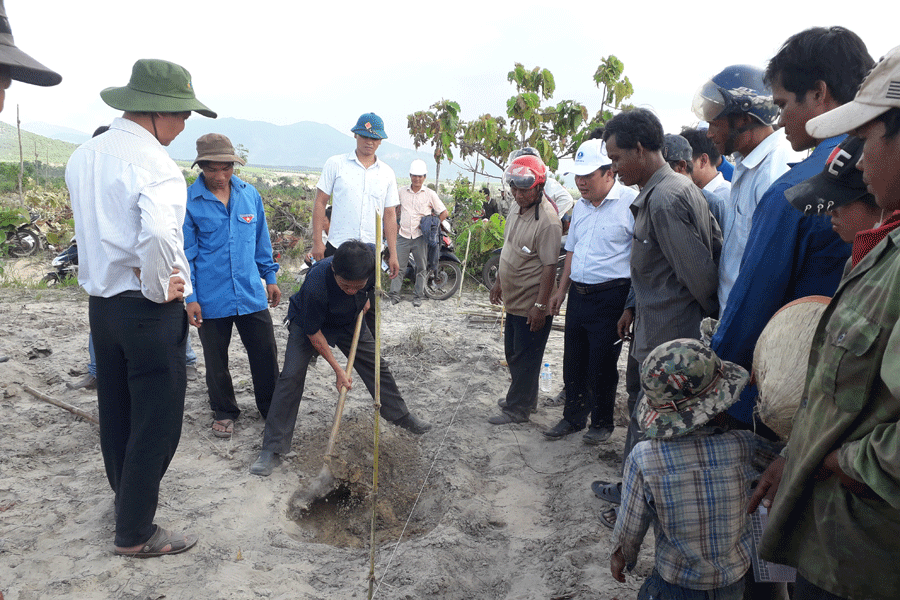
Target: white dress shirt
560	196
128	200
753	175
357	194
600	237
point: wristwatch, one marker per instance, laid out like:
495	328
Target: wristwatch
540	306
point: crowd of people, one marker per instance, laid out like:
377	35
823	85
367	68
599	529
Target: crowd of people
666	236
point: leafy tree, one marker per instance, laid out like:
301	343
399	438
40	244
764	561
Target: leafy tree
437	127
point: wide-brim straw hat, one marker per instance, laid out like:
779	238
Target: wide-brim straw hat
156	86
685	385
780	361
21	66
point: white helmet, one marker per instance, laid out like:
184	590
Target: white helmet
418	167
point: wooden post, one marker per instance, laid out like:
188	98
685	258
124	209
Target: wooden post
463	274
377	433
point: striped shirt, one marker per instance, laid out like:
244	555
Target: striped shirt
128	200
694	489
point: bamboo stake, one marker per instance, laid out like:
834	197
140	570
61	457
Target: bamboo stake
463	276
377	434
72	409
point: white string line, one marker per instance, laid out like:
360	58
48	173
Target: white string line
427	475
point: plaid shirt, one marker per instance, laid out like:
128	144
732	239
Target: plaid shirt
694	489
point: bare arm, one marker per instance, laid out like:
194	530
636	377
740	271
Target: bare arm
344	380
557	299
319	206
537	316
390	232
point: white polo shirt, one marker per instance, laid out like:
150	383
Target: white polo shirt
357	195
600	237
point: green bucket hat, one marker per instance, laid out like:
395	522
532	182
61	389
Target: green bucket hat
685	385
156	86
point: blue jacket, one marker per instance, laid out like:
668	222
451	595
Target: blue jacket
228	249
788	256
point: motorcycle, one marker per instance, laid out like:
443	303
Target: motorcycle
492	265
22	239
65	265
444	281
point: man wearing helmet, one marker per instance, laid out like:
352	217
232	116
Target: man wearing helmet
558	196
788	254
739	108
416	201
524	282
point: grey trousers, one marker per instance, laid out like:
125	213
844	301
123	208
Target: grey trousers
282	416
418	247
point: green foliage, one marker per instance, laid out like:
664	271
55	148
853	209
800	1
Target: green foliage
465	203
12	217
437	127
487	236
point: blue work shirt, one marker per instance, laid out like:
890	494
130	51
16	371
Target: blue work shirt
789	255
228	249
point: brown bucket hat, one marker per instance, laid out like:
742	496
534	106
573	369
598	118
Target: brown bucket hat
215	147
21	66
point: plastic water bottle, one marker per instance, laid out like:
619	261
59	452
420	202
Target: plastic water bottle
546	378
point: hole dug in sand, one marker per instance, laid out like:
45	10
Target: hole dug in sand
340	512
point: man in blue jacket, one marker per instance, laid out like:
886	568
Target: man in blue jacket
226	241
790	255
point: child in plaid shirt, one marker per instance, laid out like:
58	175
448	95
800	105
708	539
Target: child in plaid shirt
691	479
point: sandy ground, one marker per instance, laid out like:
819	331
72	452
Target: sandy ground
468	510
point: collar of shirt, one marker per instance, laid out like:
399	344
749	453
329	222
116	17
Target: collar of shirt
204	193
615	193
756	156
714	183
660	174
352	157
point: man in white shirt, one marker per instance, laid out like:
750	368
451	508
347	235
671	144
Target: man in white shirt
598	254
739	108
416	201
128	200
717	189
359	185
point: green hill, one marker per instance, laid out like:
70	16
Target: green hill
48	150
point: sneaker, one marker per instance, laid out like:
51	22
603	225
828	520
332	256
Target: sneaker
192	373
88	382
597	435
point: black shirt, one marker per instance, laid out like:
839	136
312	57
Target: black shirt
322	305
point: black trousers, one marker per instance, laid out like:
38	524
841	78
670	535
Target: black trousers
633	386
591	355
289	389
524	352
141	383
258	336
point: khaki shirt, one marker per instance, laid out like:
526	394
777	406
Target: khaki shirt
529	245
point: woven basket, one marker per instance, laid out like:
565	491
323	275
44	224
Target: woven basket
780	361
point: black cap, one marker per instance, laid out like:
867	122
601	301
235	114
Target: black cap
840	182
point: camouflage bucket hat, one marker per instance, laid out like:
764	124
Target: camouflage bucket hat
685	385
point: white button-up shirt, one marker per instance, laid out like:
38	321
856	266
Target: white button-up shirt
753	175
600	237
128	200
357	194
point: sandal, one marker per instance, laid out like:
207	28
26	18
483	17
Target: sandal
610	492
228	430
608	517
159	540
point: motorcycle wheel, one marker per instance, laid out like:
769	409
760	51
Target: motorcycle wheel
444	282
24	242
489	272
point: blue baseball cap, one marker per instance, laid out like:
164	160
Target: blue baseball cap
370	125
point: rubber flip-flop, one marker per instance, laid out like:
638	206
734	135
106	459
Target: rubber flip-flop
610	492
160	539
608	517
228	424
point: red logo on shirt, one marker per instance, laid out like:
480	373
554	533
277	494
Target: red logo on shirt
247	218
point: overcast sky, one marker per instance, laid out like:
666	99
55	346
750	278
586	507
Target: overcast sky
287	61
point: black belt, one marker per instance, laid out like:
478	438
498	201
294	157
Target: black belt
599	287
131	294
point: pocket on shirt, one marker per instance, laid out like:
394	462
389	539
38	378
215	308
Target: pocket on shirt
246	226
847	373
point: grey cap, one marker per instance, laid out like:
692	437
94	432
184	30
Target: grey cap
677	147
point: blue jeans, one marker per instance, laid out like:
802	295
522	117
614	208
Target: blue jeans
657	588
190	357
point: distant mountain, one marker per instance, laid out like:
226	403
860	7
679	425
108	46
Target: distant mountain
49	150
302	145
